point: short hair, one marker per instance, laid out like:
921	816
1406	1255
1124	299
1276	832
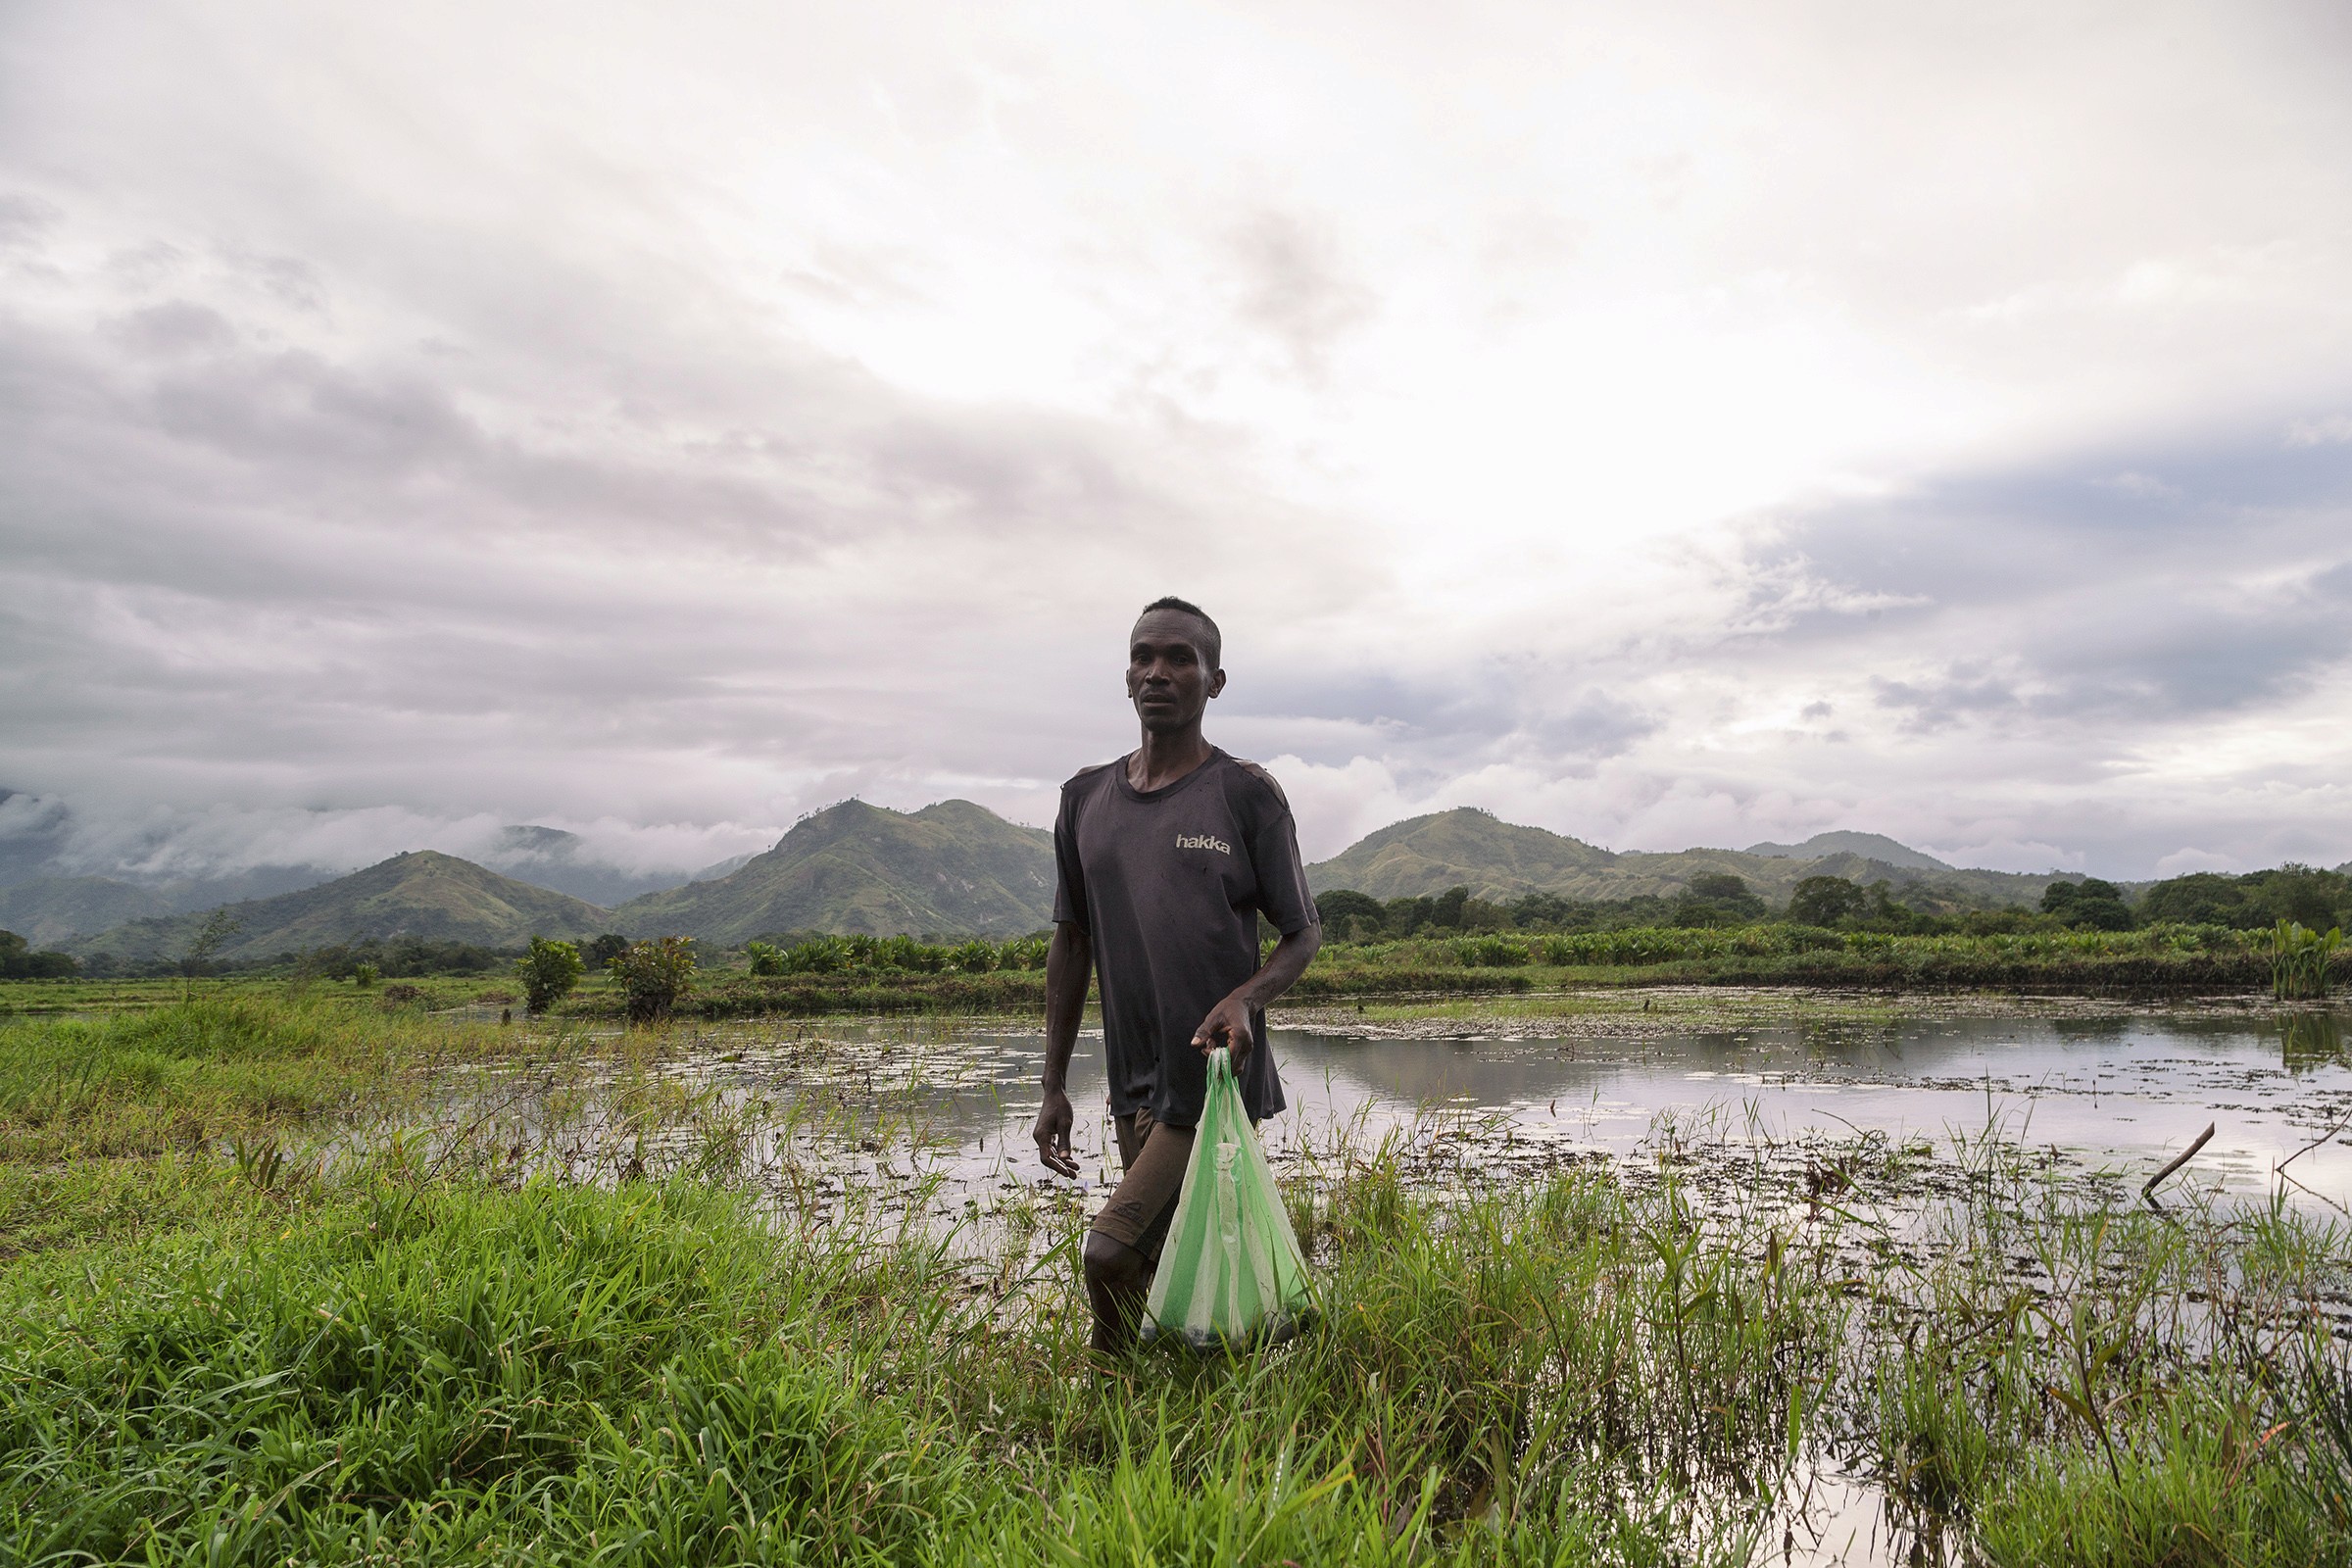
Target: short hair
1216	638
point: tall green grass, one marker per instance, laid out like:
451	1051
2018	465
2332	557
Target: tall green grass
236	1063
422	1352
407	1372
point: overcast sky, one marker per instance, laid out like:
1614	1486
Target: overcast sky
1665	424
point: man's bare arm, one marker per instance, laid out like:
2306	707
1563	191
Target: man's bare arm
1069	964
1228	1023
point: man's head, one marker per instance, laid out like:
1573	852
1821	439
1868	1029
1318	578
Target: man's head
1172	664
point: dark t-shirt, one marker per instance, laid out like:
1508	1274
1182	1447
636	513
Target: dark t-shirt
1169	885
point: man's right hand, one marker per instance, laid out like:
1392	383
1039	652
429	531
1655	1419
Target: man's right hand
1054	1121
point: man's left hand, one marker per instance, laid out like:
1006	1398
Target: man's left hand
1226	1025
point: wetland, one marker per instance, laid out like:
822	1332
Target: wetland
1694	1275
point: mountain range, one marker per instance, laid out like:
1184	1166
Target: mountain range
422	893
950	869
853	867
1499	861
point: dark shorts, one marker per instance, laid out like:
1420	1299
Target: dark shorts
1144	1205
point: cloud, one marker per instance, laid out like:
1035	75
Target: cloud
2180	862
2326	430
1658	425
1296	287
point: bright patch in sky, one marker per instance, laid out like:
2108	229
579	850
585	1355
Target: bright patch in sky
1666	426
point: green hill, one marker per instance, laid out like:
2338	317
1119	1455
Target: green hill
424	894
1495	859
954	867
1869	846
1499	861
50	910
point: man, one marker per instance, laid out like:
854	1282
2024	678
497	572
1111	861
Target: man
1166	860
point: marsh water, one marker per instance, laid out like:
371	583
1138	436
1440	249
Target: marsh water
2113	1096
1881	1113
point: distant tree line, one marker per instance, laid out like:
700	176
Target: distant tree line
386	957
2315	899
20	960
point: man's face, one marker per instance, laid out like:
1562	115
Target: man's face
1169	675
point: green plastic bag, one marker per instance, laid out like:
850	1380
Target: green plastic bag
1231	1276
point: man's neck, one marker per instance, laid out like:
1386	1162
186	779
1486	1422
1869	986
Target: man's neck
1162	759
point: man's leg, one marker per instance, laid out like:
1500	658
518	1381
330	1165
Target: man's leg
1122	1248
1118	1280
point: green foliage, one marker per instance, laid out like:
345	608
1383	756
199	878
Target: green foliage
1350	917
1548	912
1577	1370
364	976
602	951
1489	953
19	960
907	956
863	955
1824	901
766	959
548	972
1406	916
653	975
1024	953
2088	905
971	958
403	958
1717	898
2256	901
2299	959
234	1063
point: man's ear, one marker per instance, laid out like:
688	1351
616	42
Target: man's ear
1216	683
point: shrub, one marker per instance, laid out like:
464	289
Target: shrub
1024	953
907	954
2299	960
767	958
548	974
818	956
972	957
364	976
653	975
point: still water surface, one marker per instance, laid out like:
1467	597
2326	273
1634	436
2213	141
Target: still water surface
2120	1094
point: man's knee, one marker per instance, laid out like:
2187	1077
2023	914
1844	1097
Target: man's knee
1112	1264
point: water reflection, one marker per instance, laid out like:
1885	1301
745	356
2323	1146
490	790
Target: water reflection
2120	1094
2308	1040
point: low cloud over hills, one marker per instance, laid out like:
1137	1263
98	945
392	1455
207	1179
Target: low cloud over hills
959	868
435	896
67	872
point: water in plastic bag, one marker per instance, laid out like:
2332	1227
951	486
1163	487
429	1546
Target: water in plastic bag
1231	1275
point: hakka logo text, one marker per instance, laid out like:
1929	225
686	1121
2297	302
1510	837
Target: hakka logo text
1201	841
